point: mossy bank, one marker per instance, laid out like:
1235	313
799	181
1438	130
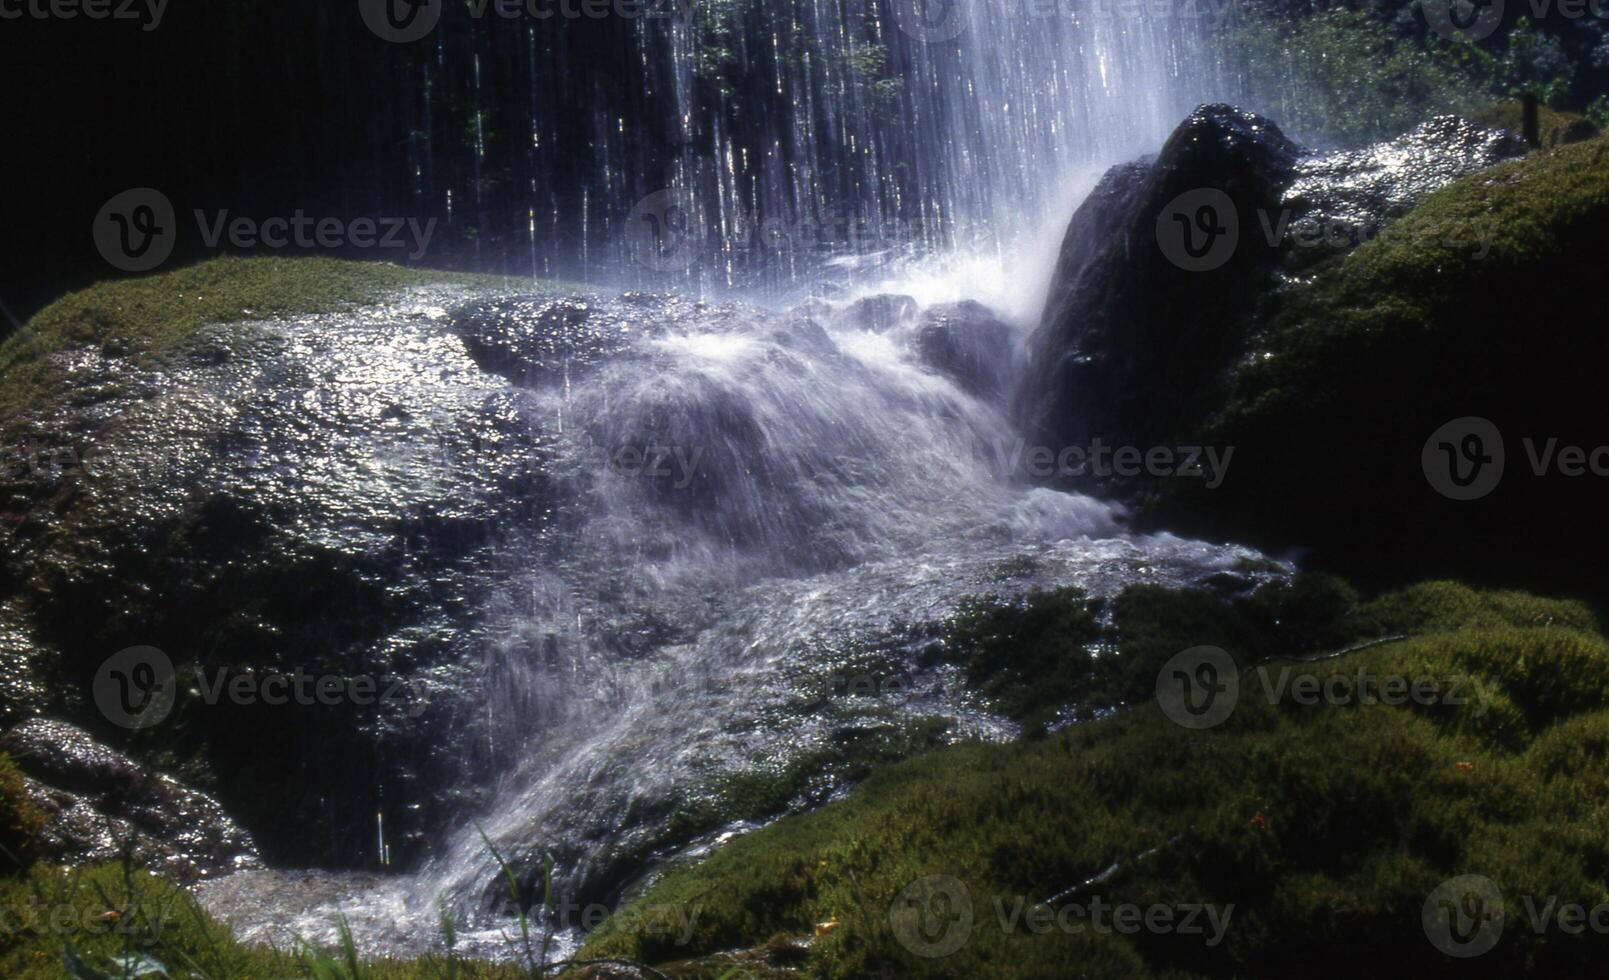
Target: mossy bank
1317	831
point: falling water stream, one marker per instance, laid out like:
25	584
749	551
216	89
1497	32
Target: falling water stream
827	496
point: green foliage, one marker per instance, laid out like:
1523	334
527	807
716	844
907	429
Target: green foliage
1325	826
1534	62
1342	76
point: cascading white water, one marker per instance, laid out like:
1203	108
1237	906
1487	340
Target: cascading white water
913	127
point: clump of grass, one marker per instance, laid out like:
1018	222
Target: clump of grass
117	922
1555	128
1326	827
20	820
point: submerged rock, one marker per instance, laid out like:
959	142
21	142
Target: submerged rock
534	340
877	314
969	344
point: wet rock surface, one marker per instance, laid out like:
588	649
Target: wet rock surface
620	588
968	343
101	805
1340	200
878	313
1133	327
320	494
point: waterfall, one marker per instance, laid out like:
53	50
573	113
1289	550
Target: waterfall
828	490
726	143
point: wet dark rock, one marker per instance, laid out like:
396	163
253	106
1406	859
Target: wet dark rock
1375	303
1340	200
1131	342
801	331
879	313
535	340
100	804
326	496
969	344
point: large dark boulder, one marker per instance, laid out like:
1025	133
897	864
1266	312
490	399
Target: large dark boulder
321	495
1158	267
1165	265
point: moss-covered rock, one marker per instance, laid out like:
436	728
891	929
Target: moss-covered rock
1554	128
20	819
1326	827
1481	302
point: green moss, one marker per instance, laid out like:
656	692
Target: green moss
1478	302
1325	826
1555	128
20	819
1060	655
151	316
